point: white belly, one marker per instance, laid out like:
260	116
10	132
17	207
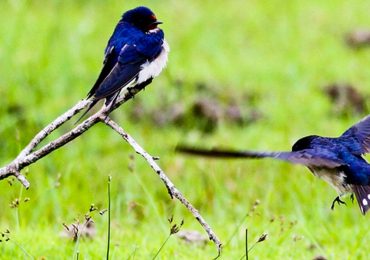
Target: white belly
152	69
334	178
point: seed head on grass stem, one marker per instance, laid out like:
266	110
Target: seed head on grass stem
175	228
5	236
262	238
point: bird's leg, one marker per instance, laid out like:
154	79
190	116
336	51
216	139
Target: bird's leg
337	200
352	197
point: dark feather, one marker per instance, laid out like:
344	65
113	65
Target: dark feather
124	72
312	158
108	65
357	138
362	193
87	110
120	76
308	157
217	153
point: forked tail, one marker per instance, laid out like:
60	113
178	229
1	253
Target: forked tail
87	110
363	197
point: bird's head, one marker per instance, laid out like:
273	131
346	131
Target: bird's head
142	18
303	143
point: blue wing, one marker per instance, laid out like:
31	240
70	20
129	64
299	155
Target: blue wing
127	50
109	62
307	157
140	49
124	71
312	158
357	138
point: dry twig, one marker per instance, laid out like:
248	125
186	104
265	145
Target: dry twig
31	154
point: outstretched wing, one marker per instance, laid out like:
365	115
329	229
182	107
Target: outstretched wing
307	157
357	138
312	158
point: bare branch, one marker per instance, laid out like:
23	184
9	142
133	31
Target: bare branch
52	126
125	96
172	190
62	140
22	179
27	157
30	154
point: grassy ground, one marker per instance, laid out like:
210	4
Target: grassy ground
282	54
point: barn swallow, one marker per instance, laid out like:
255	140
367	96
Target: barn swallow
135	54
337	161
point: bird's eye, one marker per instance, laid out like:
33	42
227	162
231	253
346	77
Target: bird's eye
153	17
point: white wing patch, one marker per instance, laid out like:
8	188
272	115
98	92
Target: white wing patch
152	69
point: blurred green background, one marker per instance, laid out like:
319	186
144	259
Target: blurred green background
269	60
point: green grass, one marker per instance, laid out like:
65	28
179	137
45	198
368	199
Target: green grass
283	53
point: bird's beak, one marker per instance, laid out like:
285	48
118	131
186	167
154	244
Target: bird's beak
157	22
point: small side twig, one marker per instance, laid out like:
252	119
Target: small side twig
22	179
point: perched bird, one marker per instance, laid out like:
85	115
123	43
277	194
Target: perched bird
338	161
135	54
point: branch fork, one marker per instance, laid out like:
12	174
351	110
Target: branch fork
32	153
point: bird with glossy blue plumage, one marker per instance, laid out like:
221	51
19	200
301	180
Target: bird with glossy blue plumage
135	54
338	160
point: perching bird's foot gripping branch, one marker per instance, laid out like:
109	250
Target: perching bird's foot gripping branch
32	153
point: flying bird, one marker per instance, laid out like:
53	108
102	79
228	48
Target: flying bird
338	160
135	54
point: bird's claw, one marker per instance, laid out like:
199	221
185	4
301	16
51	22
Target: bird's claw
337	200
